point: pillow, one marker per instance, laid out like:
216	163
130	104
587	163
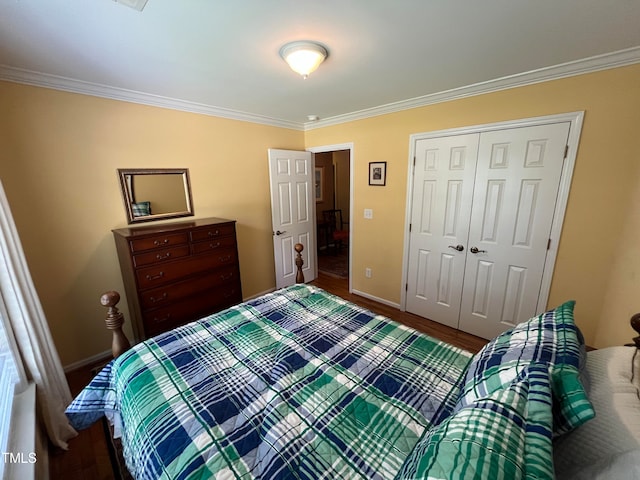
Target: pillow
141	209
625	465
505	435
615	395
551	340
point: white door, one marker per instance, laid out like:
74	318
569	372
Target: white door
517	180
444	173
481	215
292	213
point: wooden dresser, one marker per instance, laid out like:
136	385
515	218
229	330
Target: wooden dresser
178	272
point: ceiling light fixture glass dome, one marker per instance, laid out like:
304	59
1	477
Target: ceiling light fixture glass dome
303	57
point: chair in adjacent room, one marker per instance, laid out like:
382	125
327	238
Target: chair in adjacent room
336	228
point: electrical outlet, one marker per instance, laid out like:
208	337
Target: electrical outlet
368	213
367	272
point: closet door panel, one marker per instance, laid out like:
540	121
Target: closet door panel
441	206
516	184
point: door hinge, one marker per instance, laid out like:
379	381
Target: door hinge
548	244
414	161
409	228
406	287
566	151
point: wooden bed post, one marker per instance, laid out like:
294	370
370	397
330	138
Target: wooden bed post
114	321
635	324
298	247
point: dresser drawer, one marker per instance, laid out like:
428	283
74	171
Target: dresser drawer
161	241
161	296
213	231
213	244
159	256
190	309
157	275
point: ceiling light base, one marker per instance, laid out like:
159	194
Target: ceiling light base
135	4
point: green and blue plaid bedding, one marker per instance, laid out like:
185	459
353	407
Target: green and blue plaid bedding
296	384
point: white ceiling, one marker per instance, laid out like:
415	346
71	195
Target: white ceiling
220	57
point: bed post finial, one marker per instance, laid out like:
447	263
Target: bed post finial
298	247
114	321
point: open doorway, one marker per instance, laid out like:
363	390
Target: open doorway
333	211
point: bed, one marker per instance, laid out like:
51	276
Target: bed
302	384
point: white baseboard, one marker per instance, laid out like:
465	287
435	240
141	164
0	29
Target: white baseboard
376	299
98	357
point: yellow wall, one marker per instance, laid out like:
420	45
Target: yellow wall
598	262
59	153
58	158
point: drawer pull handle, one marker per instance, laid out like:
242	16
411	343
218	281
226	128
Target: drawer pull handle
226	277
155	277
163	242
162	319
214	234
225	258
163	257
229	294
154	299
214	245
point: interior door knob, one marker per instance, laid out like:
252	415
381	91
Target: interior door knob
278	232
475	250
457	247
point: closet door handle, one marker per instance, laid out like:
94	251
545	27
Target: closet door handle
475	250
458	247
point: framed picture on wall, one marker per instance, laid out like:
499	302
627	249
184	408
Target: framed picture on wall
319	183
378	173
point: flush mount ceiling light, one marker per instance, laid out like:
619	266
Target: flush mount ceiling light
303	57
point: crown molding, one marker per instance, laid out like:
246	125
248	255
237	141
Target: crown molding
56	82
606	61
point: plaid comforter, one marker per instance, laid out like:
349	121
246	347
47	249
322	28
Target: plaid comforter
295	384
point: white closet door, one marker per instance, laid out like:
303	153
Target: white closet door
517	179
441	207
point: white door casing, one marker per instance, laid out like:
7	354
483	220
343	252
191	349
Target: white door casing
530	230
292	213
516	186
444	173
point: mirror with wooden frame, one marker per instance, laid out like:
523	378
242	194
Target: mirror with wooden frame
155	194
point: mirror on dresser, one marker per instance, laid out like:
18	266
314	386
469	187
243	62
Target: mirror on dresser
155	194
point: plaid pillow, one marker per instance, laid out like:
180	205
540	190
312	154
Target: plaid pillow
505	435
552	340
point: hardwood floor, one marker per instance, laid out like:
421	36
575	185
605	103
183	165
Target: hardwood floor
88	456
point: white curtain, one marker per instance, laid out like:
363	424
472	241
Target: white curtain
28	327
